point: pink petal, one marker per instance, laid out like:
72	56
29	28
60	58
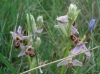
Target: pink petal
74	30
64	62
13	34
39	31
19	30
63	18
77	63
57	26
23	51
25	37
77	49
87	53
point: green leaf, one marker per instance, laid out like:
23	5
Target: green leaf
1	71
7	64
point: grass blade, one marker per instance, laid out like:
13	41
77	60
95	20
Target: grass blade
7	64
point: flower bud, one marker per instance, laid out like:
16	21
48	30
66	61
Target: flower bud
30	21
72	13
40	19
91	25
38	41
72	8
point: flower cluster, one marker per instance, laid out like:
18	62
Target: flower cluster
67	24
18	38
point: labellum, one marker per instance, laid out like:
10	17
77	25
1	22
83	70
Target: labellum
75	39
17	42
30	52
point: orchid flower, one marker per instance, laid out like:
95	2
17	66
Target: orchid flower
28	49
19	34
79	48
70	62
37	31
73	29
91	25
63	22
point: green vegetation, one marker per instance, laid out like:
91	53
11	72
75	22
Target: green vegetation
53	42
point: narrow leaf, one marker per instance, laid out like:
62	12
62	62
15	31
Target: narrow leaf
11	68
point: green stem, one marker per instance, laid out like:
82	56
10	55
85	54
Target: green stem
34	62
29	32
66	54
29	60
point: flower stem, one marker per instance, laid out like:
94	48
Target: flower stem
66	53
29	60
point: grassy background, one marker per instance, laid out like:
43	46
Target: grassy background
13	14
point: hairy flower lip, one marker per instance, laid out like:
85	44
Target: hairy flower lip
26	49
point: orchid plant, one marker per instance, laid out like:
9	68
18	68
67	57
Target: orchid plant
66	24
28	49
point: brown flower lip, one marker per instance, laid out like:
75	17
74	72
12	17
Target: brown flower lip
30	52
17	42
